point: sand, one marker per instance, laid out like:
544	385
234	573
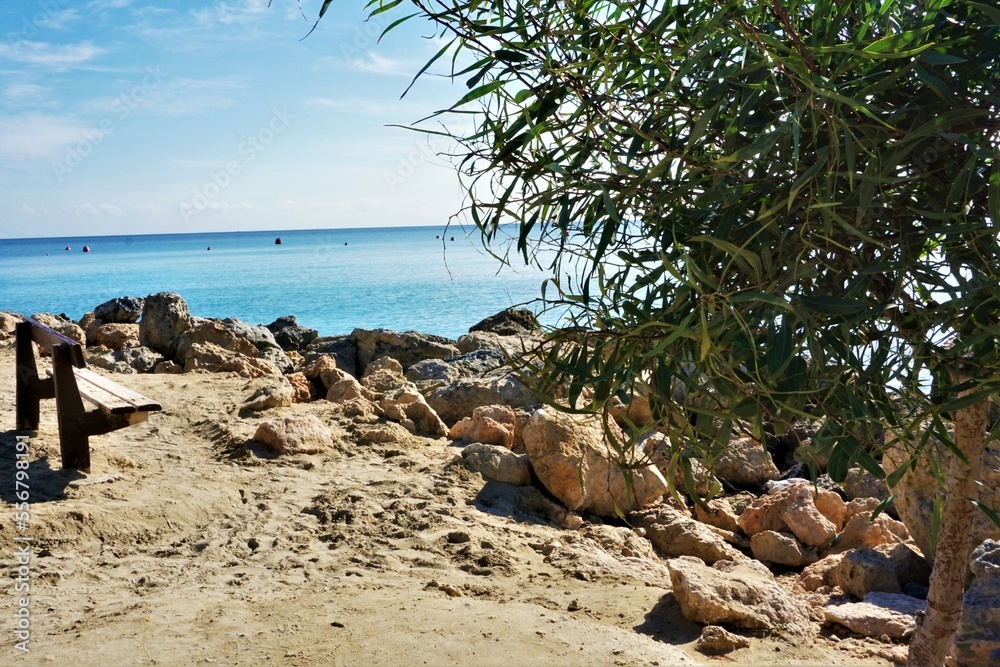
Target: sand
183	546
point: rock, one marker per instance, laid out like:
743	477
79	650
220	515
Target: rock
361	409
769	511
739	593
473	364
290	335
8	324
165	318
348	389
498	464
214	332
408	407
342	348
977	642
861	531
657	447
302	389
619	541
214	359
408	348
820	573
832	507
304	434
636	412
716	641
387	433
885	568
674	533
141	359
489	424
573	460
744	462
509	322
860	483
890	614
718	512
781	549
117	336
274	394
484	340
324	370
168	367
804	519
61	324
915	492
122	310
385	374
458	400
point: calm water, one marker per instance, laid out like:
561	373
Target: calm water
332	280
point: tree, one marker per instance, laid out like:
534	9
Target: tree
790	207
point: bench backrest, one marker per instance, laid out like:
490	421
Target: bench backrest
48	338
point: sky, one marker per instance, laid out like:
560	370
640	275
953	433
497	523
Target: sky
136	117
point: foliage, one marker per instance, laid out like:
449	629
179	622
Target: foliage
789	208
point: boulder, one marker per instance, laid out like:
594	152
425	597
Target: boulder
572	458
63	325
8	324
497	464
211	358
473	364
718	512
302	389
885	568
214	332
977	642
657	447
139	358
459	399
820	573
744	463
408	347
116	336
277	393
489	424
674	533
781	549
795	502
484	340
916	489
348	389
862	531
303	434
808	524
383	375
890	614
324	372
860	483
168	367
408	407
715	640
290	335
739	593
509	322
342	348
122	310
165	318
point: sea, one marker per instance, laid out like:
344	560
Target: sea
430	279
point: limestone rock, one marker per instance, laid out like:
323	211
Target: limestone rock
8	324
781	549
860	483
214	332
63	325
484	340
458	400
498	464
674	533
489	424
303	434
861	531
473	364
117	336
769	511
739	593
885	568
385	374
324	370
342	348
302	389
277	393
214	359
168	367
715	640
820	573
619	541
408	407
977	642
290	335
915	491
139	358
744	462
165	318
573	460
832	507
509	322
348	389
122	310
657	447
408	347
804	519
718	512
890	614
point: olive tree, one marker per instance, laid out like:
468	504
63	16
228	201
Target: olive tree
789	208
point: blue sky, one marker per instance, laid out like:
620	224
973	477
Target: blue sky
129	116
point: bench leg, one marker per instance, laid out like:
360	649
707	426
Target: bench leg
27	398
74	434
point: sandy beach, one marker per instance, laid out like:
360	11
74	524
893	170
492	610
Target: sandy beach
174	551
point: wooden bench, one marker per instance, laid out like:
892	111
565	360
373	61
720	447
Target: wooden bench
70	383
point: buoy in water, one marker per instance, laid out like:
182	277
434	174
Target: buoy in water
68	248
277	241
86	248
452	238
208	248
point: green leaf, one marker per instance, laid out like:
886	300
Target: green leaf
831	305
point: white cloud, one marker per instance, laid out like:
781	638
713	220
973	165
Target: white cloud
373	63
100	5
96	210
21	91
50	55
27	209
36	136
357	105
227	13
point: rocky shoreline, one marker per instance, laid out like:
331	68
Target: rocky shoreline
772	553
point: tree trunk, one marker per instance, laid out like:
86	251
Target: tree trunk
933	637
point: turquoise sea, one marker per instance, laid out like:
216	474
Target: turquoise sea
333	280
